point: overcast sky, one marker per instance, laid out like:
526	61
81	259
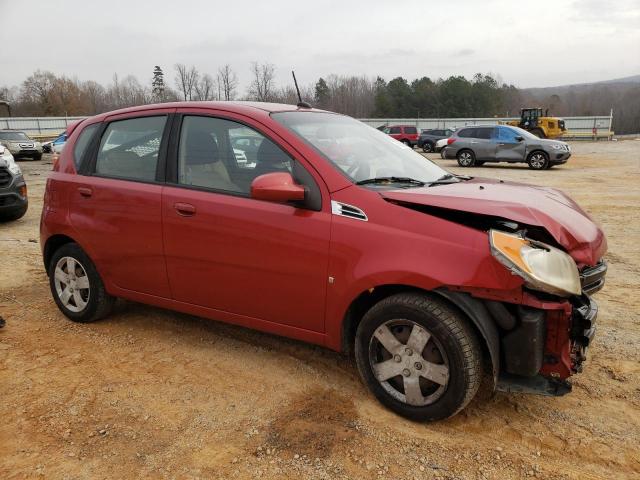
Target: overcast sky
530	44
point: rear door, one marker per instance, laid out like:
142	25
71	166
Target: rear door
116	202
484	144
508	148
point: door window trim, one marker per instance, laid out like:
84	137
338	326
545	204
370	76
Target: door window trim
171	169
89	165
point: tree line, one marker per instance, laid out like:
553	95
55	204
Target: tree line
46	94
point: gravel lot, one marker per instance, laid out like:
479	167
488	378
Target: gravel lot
149	393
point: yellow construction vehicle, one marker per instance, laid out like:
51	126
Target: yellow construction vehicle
541	125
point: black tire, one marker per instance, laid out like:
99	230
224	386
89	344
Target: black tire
466	158
37	156
14	214
407	143
538	160
538	132
451	337
443	154
98	302
427	147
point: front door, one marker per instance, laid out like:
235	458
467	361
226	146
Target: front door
227	251
508	148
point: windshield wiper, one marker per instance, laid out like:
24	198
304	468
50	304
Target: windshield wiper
447	179
412	181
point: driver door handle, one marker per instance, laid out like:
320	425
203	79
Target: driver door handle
85	191
184	209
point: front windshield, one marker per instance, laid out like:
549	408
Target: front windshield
361	152
13	136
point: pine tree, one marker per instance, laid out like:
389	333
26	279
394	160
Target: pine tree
157	84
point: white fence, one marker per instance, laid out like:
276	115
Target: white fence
578	127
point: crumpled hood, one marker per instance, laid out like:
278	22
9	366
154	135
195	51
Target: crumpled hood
545	207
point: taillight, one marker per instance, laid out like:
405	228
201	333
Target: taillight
450	141
55	162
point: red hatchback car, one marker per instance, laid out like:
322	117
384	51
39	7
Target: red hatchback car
318	227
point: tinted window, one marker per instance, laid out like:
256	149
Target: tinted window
467	133
83	141
394	130
224	155
507	135
129	148
447	133
484	133
410	130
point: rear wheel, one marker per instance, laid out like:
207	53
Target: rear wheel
427	147
538	160
76	285
419	357
406	142
466	158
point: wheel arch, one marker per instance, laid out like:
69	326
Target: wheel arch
473	309
53	243
537	150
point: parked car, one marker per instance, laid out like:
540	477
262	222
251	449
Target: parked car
407	134
473	146
13	189
336	237
441	145
428	138
20	145
55	145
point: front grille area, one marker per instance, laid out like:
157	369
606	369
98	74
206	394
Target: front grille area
592	278
5	177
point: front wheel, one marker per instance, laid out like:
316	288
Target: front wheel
419	357
466	158
427	147
538	161
76	285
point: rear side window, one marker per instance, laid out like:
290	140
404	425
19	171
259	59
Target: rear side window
484	133
82	143
129	148
410	130
467	133
394	130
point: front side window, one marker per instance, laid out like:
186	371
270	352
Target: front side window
15	136
507	135
224	155
394	131
129	148
356	149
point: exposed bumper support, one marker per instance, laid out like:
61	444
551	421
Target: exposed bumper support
537	385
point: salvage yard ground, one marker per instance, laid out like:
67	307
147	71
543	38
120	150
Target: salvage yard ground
148	393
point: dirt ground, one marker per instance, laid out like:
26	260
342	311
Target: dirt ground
148	393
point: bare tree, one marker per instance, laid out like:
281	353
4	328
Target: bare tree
206	88
228	82
262	87
186	80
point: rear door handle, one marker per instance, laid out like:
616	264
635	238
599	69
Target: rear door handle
85	191
474	142
184	209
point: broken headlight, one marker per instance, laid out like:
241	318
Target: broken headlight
543	267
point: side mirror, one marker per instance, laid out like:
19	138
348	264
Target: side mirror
519	138
276	187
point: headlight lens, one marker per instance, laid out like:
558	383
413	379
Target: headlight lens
542	266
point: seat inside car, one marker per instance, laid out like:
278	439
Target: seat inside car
201	163
270	158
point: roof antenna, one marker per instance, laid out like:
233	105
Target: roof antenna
300	104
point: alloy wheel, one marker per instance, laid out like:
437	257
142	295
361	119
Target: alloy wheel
537	161
408	362
466	159
72	284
